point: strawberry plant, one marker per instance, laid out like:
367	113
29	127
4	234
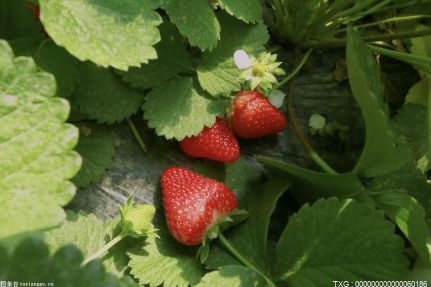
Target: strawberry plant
215	143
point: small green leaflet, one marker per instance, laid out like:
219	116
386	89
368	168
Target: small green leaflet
245	10
177	109
217	72
195	20
232	276
36	157
104	96
100	31
338	239
88	234
162	260
172	59
31	262
96	147
382	152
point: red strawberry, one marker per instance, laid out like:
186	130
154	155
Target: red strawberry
252	115
217	143
193	203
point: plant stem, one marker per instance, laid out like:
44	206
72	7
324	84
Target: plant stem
419	62
400	55
313	154
104	248
371	10
137	135
179	64
389	20
244	260
336	42
297	69
354	10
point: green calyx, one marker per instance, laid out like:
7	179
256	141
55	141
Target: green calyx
233	218
136	219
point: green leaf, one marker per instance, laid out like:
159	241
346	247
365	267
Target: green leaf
245	10
25	46
250	237
31	262
52	59
382	152
195	20
217	72
88	234
104	96
16	20
169	62
315	185
100	31
232	276
405	196
409	216
177	109
163	260
410	123
57	61
36	157
418	93
96	147
338	239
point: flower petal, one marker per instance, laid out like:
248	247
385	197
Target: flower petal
276	98
241	59
316	121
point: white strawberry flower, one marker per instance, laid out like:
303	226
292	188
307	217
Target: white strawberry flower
260	71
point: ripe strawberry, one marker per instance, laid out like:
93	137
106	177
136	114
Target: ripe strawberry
252	115
216	143
193	203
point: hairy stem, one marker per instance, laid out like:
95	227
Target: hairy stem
336	42
243	260
389	20
104	248
313	154
419	62
137	135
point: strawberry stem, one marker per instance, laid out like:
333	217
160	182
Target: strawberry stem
297	69
137	135
313	154
243	260
104	248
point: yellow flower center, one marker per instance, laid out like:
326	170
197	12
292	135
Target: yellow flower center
259	70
